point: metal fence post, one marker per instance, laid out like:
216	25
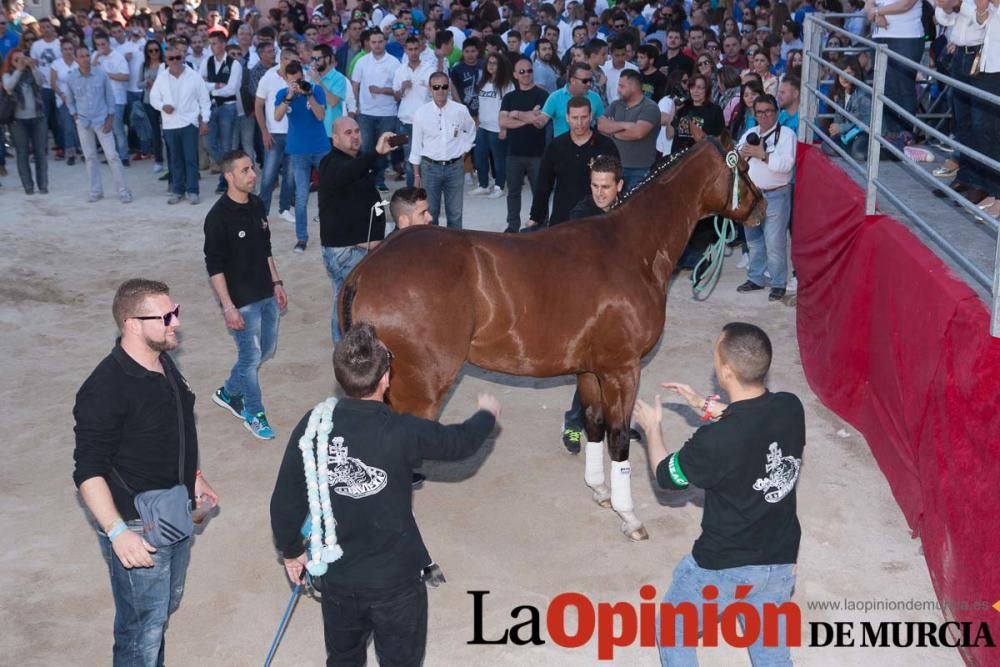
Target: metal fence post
995	306
874	147
811	72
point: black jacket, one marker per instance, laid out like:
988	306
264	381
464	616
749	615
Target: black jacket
566	167
585	208
377	450
347	193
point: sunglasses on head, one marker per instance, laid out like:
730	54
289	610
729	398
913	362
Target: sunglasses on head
439	86
167	318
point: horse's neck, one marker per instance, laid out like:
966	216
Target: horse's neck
657	237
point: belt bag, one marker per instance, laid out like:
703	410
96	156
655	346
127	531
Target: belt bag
166	513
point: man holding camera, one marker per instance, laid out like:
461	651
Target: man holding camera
305	106
351	217
770	151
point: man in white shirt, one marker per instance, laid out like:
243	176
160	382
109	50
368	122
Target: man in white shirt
613	70
443	132
46	51
770	151
372	82
411	85
182	99
197	54
274	134
116	67
223	75
132	51
459	22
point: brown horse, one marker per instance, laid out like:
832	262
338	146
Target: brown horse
586	298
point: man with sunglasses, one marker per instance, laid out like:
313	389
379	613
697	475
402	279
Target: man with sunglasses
520	112
578	80
375	588
128	441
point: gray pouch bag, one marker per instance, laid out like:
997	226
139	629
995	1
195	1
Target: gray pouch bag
166	513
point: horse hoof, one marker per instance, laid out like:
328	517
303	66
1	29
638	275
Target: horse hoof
637	534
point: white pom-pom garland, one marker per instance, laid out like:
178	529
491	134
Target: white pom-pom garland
315	443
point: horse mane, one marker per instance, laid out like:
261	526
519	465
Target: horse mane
349	292
664	164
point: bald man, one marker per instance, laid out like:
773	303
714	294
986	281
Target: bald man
349	223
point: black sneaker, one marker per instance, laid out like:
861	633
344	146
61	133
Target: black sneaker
777	294
234	404
300	247
571	437
749	286
418	480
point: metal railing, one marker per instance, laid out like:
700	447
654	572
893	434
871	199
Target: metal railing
813	65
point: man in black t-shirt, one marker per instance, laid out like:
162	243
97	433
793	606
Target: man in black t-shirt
522	120
748	461
654	82
245	279
374	585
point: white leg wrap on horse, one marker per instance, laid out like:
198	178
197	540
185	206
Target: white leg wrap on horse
593	472
621	486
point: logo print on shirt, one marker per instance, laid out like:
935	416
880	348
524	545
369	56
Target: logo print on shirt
782	473
350	476
242	234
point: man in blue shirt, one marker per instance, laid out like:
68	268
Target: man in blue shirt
8	40
578	81
788	100
307	143
334	84
91	101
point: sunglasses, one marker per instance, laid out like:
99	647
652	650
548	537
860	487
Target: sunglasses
527	70
173	58
167	318
398	26
587	80
439	86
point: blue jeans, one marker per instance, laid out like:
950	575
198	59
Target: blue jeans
144	599
768	242
182	149
244	131
338	263
67	129
220	134
487	144
52	117
986	137
373	127
277	160
407	129
901	82
30	137
771	584
121	137
302	166
633	176
255	344
444	180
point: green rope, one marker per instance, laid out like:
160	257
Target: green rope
704	277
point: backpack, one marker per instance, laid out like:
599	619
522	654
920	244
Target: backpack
8	104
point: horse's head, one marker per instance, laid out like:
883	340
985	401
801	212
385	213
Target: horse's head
739	199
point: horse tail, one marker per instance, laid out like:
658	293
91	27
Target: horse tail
347	300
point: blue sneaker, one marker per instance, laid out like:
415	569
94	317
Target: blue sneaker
257	424
234	404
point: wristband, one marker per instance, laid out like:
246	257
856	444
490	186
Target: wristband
117	528
227	309
276	283
706	407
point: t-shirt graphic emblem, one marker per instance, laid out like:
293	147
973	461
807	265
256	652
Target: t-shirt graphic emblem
350	476
782	473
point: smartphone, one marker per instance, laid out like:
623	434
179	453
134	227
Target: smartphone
399	140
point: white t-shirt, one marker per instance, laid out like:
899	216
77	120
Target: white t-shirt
137	49
62	71
267	90
369	71
459	36
613	75
489	106
114	63
907	24
418	94
46	53
663	144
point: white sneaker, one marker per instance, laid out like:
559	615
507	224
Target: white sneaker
288	215
479	190
496	193
792	285
158	168
744	261
468	179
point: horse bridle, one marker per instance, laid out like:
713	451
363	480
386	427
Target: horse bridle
732	160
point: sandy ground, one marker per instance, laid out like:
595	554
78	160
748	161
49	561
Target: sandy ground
515	520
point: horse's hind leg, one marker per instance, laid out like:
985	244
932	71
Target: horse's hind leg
590	397
618	391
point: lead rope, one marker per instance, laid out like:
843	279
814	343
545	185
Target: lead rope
704	277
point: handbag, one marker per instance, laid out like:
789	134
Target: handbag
166	513
7	107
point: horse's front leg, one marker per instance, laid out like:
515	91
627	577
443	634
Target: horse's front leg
593	425
619	391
